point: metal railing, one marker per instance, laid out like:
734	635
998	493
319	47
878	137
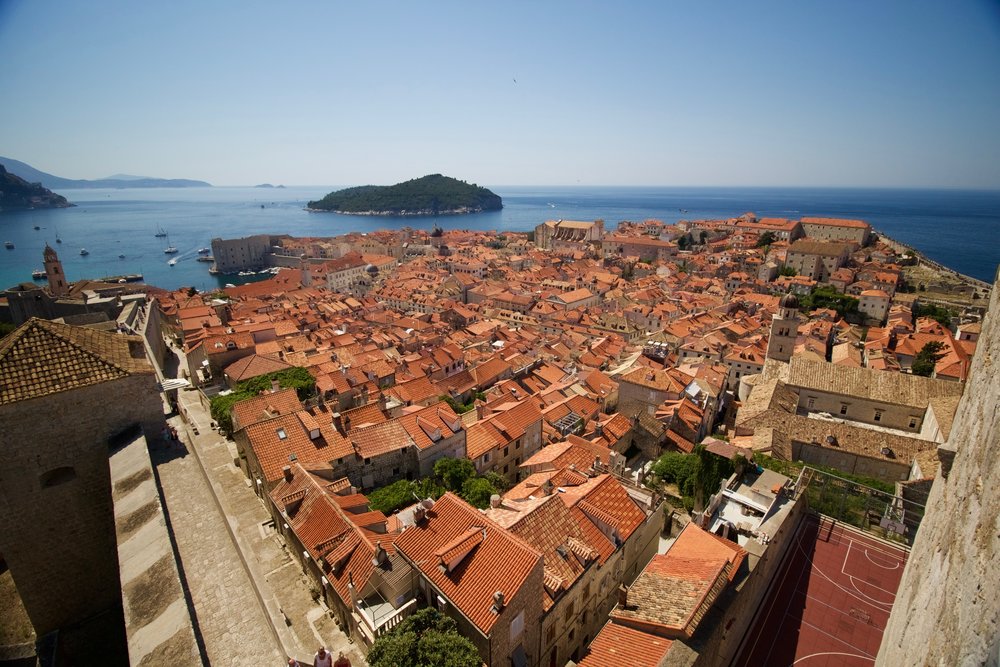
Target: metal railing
886	515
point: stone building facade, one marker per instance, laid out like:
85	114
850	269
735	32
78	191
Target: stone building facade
247	253
66	393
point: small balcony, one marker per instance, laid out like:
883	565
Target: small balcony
375	617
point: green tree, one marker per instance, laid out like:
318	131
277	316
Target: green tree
927	358
221	406
454	472
941	315
498	481
393	497
428	487
477	491
786	270
827	297
428	638
683	242
765	239
702	237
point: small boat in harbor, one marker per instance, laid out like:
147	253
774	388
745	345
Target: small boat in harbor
9	245
170	249
84	252
159	232
38	274
121	256
37	228
172	262
204	251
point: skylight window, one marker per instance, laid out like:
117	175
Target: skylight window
281	434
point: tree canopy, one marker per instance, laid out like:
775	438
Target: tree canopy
826	296
296	378
457	475
767	238
429	195
927	358
941	315
428	638
697	475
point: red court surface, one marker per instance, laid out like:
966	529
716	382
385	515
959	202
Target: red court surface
830	600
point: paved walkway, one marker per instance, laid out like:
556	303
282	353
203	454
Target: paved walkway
257	601
230	621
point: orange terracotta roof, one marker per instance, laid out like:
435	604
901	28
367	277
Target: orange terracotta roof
501	562
693	542
619	646
265	406
253	366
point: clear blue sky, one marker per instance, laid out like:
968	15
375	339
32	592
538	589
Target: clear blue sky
804	92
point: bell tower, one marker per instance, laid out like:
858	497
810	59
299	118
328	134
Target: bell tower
784	329
54	273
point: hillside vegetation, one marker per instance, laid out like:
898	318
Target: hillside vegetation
430	195
15	193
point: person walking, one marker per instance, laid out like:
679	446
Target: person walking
322	658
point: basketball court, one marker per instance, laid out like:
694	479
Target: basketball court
830	600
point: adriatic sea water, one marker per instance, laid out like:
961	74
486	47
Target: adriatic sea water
958	228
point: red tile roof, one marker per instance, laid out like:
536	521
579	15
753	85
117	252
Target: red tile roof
618	646
500	562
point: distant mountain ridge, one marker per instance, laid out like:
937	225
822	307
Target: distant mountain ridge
17	193
32	175
430	195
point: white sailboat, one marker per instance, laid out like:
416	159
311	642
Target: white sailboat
170	250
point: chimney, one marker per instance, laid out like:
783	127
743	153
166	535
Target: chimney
597	464
623	596
380	555
275	385
351	589
495	501
287	471
338	423
497	602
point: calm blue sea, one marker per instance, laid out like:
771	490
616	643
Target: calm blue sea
959	229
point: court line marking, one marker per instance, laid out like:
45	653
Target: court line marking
895	566
867	583
785	570
837	639
806	566
853	579
863	598
841	611
816	655
841	530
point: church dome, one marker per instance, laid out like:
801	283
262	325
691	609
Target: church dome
789	301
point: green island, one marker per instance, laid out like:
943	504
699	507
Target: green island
430	195
17	193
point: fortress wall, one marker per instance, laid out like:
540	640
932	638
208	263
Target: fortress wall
948	604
